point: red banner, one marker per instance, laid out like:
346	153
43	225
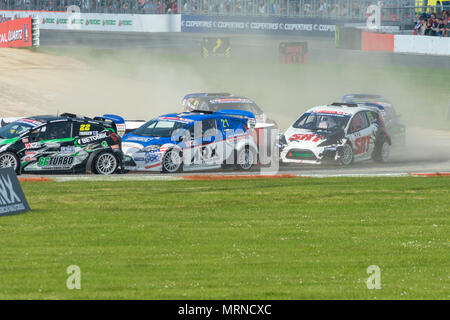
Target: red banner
16	33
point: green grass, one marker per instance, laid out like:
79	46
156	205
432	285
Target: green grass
249	239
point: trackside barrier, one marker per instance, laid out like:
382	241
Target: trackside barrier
371	41
16	33
99	21
422	45
384	42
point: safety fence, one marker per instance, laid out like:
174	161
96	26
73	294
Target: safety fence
391	10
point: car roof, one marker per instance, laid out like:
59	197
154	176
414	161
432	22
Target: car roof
349	109
193	116
221	99
364	96
65	116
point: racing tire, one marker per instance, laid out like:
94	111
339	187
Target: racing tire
245	159
382	151
346	156
10	160
105	163
172	161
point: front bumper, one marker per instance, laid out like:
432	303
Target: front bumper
144	161
308	156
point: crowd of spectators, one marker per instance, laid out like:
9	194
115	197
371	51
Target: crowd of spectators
433	24
308	8
100	6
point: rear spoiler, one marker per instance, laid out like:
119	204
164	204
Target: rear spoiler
206	94
6	121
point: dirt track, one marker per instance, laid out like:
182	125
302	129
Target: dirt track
30	82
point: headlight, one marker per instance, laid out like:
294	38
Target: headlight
151	148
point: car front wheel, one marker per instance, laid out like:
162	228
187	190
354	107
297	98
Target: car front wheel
346	155
172	161
9	160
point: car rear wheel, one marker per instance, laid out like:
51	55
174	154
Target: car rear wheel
172	161
9	160
106	163
245	159
346	155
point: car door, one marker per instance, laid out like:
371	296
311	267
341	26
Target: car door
211	150
54	146
361	134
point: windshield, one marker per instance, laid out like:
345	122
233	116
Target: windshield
325	122
160	128
14	130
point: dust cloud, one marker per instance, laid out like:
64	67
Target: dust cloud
137	84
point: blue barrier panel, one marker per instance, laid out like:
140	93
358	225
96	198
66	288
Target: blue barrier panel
262	25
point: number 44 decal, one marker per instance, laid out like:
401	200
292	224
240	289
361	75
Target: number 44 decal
362	145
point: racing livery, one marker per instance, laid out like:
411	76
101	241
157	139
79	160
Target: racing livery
192	141
341	132
391	119
225	101
66	143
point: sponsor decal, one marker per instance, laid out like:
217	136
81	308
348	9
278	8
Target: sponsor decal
68	150
88	133
231	101
56	162
31	122
121	129
176	119
306	137
362	145
91	139
140	139
152	156
34	145
12	199
109	23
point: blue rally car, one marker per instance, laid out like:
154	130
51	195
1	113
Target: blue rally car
192	141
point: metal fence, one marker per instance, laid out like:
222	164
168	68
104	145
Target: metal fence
391	10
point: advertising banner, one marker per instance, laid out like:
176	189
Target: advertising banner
12	198
16	33
264	25
99	21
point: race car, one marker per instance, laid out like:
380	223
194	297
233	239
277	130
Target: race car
195	140
62	144
391	119
123	126
225	101
341	132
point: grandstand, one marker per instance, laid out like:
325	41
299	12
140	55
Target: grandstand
392	10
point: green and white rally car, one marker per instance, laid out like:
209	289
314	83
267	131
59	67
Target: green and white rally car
61	144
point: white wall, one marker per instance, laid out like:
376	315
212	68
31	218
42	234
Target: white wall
422	45
101	21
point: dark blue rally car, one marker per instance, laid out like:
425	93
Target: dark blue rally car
192	141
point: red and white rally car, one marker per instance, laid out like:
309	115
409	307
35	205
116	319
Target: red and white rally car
340	132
